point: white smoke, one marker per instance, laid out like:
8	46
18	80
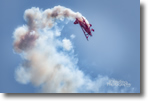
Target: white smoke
72	36
48	61
67	44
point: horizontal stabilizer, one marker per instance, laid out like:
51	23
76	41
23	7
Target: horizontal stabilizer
93	30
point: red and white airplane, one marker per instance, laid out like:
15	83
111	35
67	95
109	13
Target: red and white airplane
85	27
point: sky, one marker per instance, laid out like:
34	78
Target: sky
113	50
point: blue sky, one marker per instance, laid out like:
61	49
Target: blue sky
113	51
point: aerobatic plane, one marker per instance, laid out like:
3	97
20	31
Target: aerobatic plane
85	26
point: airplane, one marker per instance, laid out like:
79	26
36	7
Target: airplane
84	26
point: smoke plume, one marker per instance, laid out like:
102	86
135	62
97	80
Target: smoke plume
49	62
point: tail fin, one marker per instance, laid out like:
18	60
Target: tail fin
76	21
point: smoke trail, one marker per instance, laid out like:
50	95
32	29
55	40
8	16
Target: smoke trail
48	61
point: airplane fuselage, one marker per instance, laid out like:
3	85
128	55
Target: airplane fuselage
86	27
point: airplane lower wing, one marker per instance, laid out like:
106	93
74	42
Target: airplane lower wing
84	33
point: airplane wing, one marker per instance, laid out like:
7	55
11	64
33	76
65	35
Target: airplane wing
84	33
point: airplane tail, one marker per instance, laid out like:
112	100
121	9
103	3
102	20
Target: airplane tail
76	21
